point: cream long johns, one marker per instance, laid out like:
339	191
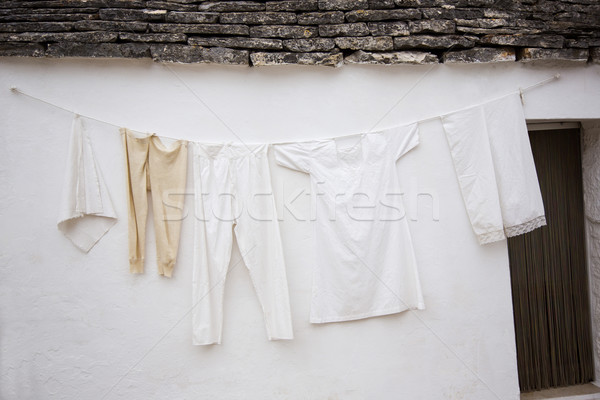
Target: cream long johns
152	166
234	194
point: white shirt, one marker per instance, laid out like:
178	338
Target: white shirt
365	259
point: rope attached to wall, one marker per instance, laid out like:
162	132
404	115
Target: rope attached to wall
16	90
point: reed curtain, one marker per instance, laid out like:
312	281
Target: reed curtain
549	273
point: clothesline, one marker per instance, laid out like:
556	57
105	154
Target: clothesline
16	90
521	91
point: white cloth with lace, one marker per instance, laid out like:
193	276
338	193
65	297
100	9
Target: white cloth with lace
492	157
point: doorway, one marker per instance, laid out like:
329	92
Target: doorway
549	276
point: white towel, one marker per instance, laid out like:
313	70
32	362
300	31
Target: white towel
86	211
492	157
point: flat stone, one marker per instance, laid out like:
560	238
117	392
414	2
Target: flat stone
382	15
480	55
595	55
167	5
153	37
400	57
306	45
583	42
121	14
343	4
196	54
496	31
569	55
74	3
568	28
439	13
36	27
580	13
42	37
582	1
355	29
110	26
388	28
192	17
432	42
14	4
519	40
112	3
258	18
202	29
48	11
381	4
183	1
46	17
484	3
432	26
549	7
543	16
522	23
380	43
326	59
321	18
491	13
8	49
102	50
237	42
230	6
451	13
483	22
470	23
419	3
588	6
293	5
589	16
284	31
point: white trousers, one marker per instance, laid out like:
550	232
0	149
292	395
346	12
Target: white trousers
233	194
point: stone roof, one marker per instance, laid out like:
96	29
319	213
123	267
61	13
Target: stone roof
310	32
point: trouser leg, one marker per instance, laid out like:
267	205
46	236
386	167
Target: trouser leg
167	169
257	233
212	248
136	154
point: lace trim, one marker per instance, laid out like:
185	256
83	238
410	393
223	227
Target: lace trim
525	227
490	237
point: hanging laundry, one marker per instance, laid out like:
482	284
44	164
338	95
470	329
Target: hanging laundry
366	264
86	211
153	167
492	157
234	195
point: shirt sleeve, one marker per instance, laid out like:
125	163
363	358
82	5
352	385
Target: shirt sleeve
295	156
401	140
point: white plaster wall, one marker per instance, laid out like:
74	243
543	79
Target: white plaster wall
591	185
79	326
